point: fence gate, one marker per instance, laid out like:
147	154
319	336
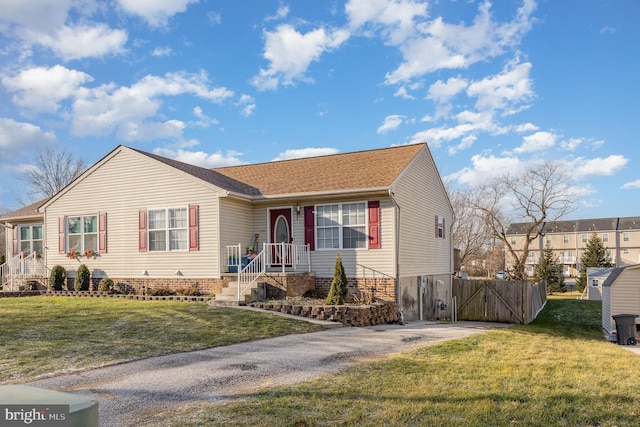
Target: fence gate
498	301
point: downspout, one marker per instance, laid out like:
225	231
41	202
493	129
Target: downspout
397	254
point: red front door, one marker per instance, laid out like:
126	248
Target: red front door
280	232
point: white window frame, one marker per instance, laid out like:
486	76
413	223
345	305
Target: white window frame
31	240
565	238
595	283
605	237
547	240
625	236
625	250
585	238
440	227
340	226
82	234
513	240
169	229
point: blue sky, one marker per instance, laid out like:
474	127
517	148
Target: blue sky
491	87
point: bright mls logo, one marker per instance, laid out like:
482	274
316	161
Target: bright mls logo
34	415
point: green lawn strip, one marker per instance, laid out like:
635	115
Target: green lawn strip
558	371
42	335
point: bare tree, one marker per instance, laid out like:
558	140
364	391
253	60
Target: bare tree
469	233
54	169
541	193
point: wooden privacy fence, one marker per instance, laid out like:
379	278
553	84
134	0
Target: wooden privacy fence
498	301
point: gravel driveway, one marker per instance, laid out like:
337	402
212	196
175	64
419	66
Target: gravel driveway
131	393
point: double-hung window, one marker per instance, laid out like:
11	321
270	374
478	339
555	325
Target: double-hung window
341	226
168	229
82	233
30	239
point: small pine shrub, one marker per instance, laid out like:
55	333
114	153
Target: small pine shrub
106	285
82	280
338	291
57	277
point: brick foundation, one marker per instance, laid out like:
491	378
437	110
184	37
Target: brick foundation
380	288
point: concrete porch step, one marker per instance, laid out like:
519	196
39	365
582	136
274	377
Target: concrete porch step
229	295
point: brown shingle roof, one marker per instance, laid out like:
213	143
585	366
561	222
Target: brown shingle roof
26	211
360	170
207	175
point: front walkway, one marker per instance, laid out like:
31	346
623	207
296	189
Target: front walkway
142	391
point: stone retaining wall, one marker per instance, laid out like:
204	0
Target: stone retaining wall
348	314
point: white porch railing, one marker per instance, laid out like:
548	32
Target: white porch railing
287	255
273	257
22	267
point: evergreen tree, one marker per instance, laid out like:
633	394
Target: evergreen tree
594	255
550	271
339	289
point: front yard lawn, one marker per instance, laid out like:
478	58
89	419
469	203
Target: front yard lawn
41	335
558	371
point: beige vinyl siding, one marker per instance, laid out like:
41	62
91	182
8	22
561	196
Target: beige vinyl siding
421	197
121	186
323	261
625	294
236	223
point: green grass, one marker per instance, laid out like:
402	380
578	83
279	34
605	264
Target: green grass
558	371
41	335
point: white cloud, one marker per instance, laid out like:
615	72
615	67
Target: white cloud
306	152
537	142
572	144
202	159
402	93
598	166
526	127
442	92
469	124
149	131
35	15
83	41
391	122
247	104
631	185
456	46
505	90
394	18
41	89
486	168
155	12
281	13
467	142
290	53
214	18
102	110
162	51
205	121
18	137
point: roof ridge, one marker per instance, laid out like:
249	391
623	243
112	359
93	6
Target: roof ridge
322	156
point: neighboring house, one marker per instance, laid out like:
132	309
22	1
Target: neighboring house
568	239
154	221
620	295
596	276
